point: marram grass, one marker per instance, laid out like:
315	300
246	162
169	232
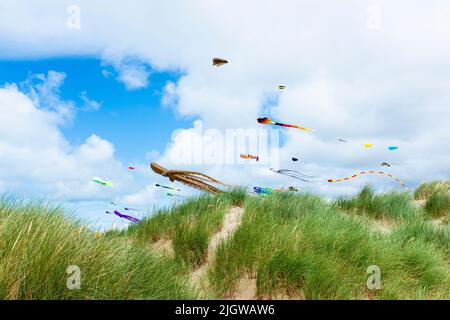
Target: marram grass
292	245
38	243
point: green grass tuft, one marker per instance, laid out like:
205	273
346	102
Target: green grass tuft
38	243
438	205
425	190
392	205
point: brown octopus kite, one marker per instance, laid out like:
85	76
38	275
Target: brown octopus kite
193	179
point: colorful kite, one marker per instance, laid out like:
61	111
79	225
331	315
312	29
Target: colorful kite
370	171
249	156
170	188
130	218
102	182
281	87
294	159
219	61
266	120
128	209
293	174
193	179
392	148
264	191
368	145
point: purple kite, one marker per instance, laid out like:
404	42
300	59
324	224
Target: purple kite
133	219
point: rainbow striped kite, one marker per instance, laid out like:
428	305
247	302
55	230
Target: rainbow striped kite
367	172
266	120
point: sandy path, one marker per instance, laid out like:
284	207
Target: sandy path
231	222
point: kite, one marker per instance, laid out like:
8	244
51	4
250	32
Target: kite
385	164
114	204
281	87
266	120
218	62
293	174
193	179
392	148
249	156
173	194
170	188
130	218
368	145
260	190
294	159
131	167
131	209
102	182
370	171
342	140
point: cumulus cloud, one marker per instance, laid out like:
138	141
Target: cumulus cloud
133	76
44	91
36	159
35	155
130	71
385	85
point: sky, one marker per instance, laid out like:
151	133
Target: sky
88	89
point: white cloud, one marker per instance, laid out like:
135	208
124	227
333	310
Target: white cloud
44	91
89	104
386	86
131	72
36	159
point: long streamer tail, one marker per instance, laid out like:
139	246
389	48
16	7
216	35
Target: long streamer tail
367	172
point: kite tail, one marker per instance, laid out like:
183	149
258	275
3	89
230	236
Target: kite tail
370	171
302	128
109	183
293	126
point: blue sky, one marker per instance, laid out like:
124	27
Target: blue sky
110	86
135	121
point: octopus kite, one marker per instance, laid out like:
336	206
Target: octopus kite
193	179
293	174
266	120
367	172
